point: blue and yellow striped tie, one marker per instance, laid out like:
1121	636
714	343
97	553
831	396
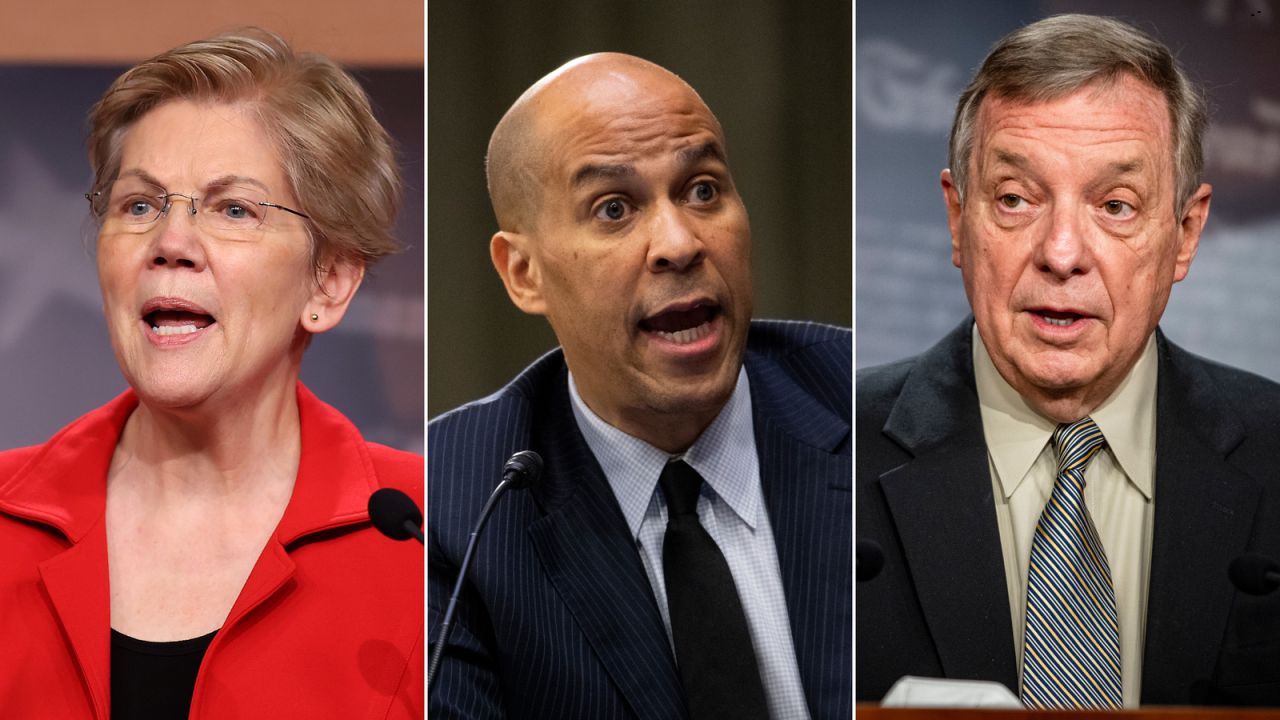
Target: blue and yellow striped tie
1071	654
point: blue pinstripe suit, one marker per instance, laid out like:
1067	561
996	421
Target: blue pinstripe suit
557	618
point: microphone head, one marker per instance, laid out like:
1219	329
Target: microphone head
389	509
870	558
1254	574
523	470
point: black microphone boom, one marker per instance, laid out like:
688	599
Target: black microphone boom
395	514
522	470
1254	574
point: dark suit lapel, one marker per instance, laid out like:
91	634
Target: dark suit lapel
941	503
806	471
1204	510
587	552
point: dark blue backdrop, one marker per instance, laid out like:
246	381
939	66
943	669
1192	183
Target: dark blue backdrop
912	63
55	358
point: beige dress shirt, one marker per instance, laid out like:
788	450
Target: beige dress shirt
1119	492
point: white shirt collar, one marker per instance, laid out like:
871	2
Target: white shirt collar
724	455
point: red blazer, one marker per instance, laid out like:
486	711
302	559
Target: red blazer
328	625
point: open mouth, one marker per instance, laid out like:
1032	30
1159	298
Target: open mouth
175	317
683	326
1058	318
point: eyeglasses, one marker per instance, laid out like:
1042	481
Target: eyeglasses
133	205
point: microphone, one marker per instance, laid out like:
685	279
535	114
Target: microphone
522	470
1254	574
395	514
870	559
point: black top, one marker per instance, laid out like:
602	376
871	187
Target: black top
154	680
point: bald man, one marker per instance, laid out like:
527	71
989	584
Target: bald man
687	553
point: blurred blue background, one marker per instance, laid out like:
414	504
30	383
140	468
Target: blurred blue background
912	63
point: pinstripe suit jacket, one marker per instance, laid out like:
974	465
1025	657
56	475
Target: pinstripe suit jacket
940	606
557	618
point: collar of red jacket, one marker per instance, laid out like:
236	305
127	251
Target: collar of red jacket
65	484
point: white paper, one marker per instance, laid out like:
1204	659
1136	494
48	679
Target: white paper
911	691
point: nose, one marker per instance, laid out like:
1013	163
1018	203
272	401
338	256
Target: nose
1064	250
176	242
674	243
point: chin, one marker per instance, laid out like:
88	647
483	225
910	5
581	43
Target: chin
1059	378
693	395
169	391
170	398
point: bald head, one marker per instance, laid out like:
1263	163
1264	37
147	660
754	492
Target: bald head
558	105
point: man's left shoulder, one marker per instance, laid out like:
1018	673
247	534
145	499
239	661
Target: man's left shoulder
816	358
794	341
1245	392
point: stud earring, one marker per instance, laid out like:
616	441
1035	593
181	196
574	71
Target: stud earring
314	317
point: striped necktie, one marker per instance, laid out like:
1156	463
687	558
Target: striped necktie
1071	654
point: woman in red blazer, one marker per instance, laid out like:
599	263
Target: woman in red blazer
200	546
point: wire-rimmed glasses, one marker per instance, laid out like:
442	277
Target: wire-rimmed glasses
132	204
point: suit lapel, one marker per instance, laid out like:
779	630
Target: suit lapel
1204	510
806	471
64	487
587	552
944	495
76	581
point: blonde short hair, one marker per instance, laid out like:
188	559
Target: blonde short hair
337	157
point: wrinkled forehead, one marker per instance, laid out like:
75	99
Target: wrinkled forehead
622	113
1102	114
188	144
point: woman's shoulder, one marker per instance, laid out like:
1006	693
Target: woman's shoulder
397	469
96	430
11	461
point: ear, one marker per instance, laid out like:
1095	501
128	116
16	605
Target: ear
519	270
1194	216
951	196
337	284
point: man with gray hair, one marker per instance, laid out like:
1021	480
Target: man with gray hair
1057	489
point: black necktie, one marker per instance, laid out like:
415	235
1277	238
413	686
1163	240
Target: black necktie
713	648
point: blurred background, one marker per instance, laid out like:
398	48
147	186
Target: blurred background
56	58
776	73
910	71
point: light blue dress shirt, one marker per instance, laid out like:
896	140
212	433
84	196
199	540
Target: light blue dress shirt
732	510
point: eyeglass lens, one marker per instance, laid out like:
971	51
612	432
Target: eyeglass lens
136	204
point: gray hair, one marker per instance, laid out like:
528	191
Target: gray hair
1057	56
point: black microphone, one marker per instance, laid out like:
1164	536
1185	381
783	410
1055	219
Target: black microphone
870	559
1254	574
395	514
522	470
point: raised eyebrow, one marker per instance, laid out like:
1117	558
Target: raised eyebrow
601	171
144	176
1118	167
228	180
698	153
1125	167
1012	158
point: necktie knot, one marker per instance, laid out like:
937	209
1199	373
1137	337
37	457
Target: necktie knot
1077	443
680	485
